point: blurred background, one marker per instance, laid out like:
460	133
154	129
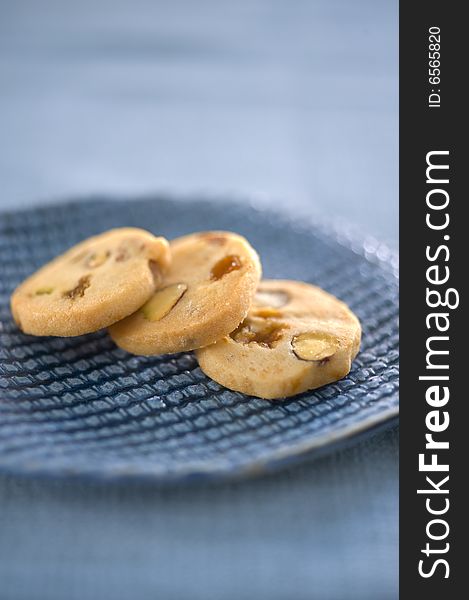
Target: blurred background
288	105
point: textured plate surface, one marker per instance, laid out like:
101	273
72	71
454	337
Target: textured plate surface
81	406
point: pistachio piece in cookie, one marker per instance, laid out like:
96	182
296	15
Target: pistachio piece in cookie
296	337
94	284
205	294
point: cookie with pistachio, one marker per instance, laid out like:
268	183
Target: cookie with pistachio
94	284
296	337
206	293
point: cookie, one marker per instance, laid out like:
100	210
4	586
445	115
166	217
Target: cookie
206	293
94	284
296	337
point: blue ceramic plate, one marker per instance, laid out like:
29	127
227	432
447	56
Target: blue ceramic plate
81	406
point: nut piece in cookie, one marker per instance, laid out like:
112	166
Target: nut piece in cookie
206	293
296	337
94	284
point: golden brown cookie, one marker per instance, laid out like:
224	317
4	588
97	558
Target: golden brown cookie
206	294
94	284
296	337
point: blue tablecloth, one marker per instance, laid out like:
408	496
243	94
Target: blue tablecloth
291	104
326	530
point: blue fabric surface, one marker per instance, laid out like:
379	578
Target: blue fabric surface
288	103
326	530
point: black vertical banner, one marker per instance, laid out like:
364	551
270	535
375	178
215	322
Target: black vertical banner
434	240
